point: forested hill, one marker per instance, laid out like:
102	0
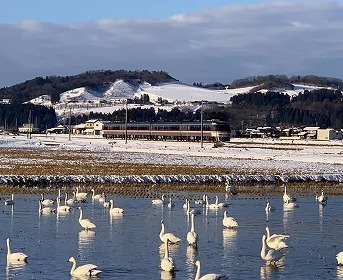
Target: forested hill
94	80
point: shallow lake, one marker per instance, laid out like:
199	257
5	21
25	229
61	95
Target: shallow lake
129	247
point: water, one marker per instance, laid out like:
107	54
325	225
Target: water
128	246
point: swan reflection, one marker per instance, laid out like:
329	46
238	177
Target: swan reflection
86	238
173	248
229	237
269	271
166	275
14	268
339	272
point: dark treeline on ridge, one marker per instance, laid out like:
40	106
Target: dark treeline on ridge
320	107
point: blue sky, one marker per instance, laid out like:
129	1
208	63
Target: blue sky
64	11
193	40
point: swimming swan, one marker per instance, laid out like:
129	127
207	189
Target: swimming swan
276	241
339	258
47	202
192	236
287	198
83	270
168	236
271	256
210	276
81	196
45	210
190	211
10	201
229	222
212	205
114	210
158	201
269	208
167	263
62	208
322	199
171	203
15	257
95	196
221	204
85	223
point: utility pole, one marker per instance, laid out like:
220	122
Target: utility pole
69	123
202	124
126	121
29	126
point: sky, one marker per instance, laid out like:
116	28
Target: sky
194	40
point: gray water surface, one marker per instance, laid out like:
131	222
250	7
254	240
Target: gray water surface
128	246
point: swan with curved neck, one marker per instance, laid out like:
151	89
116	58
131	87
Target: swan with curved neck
95	196
287	198
85	223
229	222
62	208
276	241
80	196
115	210
322	199
15	257
83	270
192	236
220	204
45	210
47	202
269	208
271	256
167	263
158	200
210	276
168	236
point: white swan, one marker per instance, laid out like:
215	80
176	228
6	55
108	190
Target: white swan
229	222
269	208
60	196
192	236
339	258
276	241
287	198
15	257
45	210
210	276
102	198
81	196
115	210
171	203
47	202
95	196
322	199
158	200
62	208
105	204
167	263
168	236
221	204
211	205
271	256
10	201
70	200
85	223
84	270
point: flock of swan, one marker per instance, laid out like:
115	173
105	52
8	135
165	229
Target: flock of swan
272	249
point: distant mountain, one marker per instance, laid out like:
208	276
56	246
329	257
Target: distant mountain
107	84
93	81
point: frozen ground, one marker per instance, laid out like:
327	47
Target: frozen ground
297	160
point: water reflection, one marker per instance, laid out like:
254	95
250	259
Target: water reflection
192	254
229	238
321	208
86	239
166	275
339	272
173	249
269	271
14	268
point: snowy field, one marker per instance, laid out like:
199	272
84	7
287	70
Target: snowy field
298	160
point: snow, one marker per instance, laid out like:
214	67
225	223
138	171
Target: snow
276	160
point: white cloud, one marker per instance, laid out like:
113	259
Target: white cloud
211	45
